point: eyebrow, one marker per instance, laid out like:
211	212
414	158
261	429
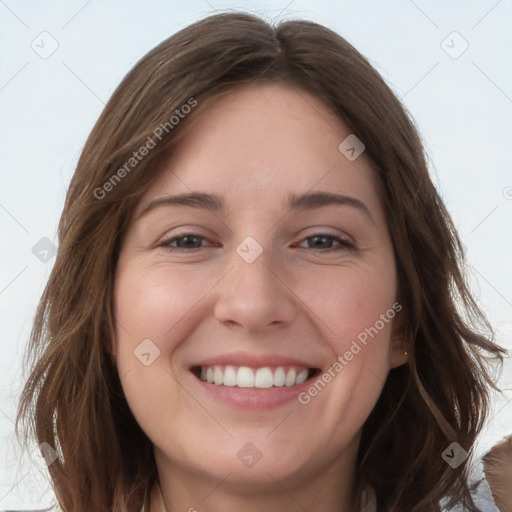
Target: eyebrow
194	199
296	202
312	200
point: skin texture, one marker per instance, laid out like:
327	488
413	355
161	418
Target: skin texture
254	147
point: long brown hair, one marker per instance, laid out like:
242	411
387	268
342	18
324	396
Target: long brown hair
73	399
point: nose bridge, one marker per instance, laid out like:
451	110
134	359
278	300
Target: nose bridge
257	273
252	294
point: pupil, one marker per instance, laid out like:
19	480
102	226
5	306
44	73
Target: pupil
324	238
185	240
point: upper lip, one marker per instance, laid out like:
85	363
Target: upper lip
253	360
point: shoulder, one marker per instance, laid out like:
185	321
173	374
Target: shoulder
480	491
479	487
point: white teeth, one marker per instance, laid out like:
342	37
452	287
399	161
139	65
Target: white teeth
245	377
217	375
229	376
290	377
301	377
264	378
279	377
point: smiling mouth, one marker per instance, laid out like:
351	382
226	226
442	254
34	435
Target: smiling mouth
254	378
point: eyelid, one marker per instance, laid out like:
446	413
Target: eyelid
321	230
165	243
180	231
345	243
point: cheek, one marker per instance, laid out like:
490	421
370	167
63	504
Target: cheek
357	304
153	309
152	303
149	307
356	313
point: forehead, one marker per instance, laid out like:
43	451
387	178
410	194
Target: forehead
258	142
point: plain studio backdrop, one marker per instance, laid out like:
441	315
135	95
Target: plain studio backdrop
61	60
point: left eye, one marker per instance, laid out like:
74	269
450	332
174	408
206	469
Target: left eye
324	242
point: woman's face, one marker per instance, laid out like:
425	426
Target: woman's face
259	282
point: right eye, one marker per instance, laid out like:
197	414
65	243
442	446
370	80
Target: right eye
187	242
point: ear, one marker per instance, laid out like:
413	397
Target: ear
398	346
397	352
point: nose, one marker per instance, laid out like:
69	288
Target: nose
255	296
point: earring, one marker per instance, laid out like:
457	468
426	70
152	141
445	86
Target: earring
405	352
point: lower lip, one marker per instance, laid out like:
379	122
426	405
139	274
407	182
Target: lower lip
253	398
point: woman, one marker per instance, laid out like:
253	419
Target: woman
258	299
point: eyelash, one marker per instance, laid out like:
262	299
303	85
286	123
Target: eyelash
344	244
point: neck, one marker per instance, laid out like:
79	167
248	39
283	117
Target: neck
330	489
